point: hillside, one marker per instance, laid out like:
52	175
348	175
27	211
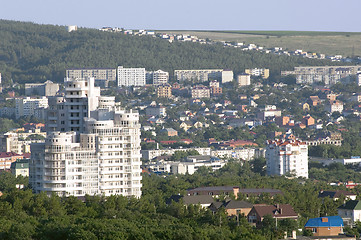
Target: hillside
329	43
32	53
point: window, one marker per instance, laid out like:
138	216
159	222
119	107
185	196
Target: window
314	230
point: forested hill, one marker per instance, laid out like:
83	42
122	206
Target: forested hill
33	53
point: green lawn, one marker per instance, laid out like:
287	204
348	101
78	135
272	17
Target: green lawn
329	43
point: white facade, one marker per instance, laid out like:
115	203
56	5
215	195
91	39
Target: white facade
287	156
100	156
203	75
150	154
26	106
184	167
244	80
160	77
200	92
97	73
66	113
131	76
334	106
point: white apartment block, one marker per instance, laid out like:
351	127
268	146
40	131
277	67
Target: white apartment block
26	106
201	92
287	156
327	75
131	76
204	75
159	77
258	72
187	167
244	80
334	106
99	73
151	154
246	154
99	155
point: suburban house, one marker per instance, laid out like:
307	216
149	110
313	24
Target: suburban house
215	191
335	195
232	207
277	211
170	132
350	212
325	226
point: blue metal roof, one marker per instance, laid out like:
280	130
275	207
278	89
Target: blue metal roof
331	221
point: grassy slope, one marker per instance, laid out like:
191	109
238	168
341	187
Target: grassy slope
330	43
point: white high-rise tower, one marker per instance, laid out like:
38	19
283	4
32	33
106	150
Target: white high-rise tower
93	146
287	156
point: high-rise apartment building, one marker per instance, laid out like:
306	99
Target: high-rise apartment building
287	156
131	76
92	147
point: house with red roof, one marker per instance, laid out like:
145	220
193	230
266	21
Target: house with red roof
277	211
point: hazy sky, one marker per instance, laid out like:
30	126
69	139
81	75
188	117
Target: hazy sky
313	15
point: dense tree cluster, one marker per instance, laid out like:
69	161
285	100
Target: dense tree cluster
24	215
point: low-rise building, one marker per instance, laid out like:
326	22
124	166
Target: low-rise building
350	212
164	91
151	154
232	207
7	158
258	72
336	194
334	106
200	92
215	191
20	167
325	226
244	80
159	111
277	211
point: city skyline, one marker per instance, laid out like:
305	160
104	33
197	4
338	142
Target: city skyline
319	15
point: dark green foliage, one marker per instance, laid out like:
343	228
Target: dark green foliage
33	53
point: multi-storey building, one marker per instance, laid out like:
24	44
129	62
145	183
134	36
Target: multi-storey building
244	80
201	92
6	158
334	106
99	74
27	106
164	91
258	72
287	156
204	75
47	88
97	153
158	77
131	76
327	75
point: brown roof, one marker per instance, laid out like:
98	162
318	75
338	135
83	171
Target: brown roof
276	211
335	194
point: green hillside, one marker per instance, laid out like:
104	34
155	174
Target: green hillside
329	43
32	53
